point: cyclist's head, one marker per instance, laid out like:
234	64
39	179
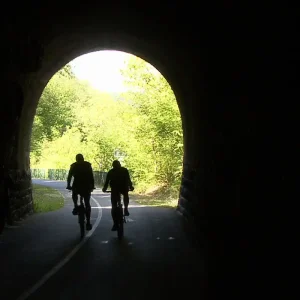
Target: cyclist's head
79	158
116	164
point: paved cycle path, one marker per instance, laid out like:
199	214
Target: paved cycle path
154	260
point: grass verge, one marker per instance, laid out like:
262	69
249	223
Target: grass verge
46	199
159	197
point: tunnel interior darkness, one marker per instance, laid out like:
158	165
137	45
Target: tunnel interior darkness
227	70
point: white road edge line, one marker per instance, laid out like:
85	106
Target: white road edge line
58	266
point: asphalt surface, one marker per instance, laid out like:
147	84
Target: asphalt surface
155	260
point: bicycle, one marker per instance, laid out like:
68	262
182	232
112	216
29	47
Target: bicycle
120	217
81	215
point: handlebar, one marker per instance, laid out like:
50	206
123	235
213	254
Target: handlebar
70	188
110	191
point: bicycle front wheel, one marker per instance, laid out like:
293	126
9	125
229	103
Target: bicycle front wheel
82	231
81	219
120	230
120	223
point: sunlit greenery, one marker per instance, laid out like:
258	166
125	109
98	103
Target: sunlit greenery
141	127
46	198
157	196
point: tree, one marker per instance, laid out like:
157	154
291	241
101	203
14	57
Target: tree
67	72
159	124
55	110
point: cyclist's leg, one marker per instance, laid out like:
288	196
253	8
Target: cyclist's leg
75	201
126	203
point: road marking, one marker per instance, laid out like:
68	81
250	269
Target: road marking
57	267
129	220
130	206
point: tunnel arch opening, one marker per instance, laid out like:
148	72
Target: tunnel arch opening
66	48
65	44
167	124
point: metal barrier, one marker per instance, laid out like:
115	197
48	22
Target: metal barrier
62	174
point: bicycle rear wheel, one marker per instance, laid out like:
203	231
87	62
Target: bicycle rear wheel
120	231
82	230
120	223
81	218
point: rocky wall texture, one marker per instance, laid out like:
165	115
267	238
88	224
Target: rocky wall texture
19	194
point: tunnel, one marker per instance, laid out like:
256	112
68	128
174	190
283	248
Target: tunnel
227	71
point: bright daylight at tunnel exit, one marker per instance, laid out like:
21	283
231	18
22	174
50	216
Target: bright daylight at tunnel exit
109	105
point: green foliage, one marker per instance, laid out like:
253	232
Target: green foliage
142	127
46	199
67	72
55	111
159	129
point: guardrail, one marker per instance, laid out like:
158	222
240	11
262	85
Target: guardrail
62	174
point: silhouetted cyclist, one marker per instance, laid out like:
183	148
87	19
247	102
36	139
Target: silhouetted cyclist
119	180
83	185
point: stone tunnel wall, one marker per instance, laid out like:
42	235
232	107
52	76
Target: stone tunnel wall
16	193
19	194
187	190
15	197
